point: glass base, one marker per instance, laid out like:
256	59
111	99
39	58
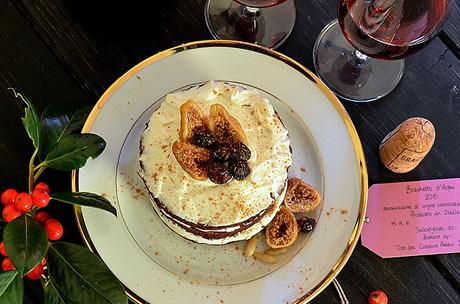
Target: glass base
269	27
349	73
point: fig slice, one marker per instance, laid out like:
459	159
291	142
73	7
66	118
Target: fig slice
282	230
191	119
300	196
192	159
225	128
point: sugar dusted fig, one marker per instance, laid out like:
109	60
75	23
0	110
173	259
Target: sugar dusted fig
192	159
225	128
222	153
192	120
239	169
282	230
240	151
306	224
300	196
218	173
203	138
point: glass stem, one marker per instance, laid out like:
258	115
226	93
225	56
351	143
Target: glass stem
251	12
359	59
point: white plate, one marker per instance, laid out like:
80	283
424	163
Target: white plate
158	266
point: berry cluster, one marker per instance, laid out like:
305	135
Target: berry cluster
16	204
229	160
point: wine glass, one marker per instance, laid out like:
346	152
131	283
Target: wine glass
263	22
348	53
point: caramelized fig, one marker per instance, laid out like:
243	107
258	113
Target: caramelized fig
192	119
282	230
300	196
192	159
225	128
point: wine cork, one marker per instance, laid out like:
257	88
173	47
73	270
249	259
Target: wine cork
406	146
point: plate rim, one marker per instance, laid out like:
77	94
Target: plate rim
359	152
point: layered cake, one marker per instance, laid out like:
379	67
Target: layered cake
214	159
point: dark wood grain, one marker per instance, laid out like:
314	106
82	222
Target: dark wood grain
452	26
98	43
366	272
71	51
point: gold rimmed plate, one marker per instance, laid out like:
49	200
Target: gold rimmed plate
158	266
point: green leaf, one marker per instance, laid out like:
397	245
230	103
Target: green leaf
52	296
81	277
26	243
31	119
11	288
72	151
59	120
85	199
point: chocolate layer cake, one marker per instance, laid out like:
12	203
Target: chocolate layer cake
201	210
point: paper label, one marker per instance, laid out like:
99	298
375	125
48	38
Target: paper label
413	218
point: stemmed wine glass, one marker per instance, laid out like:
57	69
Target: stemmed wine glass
263	22
348	53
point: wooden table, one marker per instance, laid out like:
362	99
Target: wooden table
71	51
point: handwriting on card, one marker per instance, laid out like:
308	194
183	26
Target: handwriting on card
413	218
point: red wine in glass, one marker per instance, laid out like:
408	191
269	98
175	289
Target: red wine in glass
347	53
260	3
390	29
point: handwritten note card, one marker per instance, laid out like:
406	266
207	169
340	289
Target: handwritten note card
413	218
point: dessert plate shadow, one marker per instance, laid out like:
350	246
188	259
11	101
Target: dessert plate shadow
158	266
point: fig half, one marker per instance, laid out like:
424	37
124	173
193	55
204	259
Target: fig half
300	196
193	159
225	128
282	230
192	119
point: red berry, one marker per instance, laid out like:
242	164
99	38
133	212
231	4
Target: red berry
40	198
43	261
2	249
7	265
378	297
42	186
8	196
36	273
23	202
42	217
53	229
10	213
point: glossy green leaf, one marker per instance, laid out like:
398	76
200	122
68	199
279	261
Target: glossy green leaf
72	151
31	119
11	287
26	243
81	277
85	199
52	296
58	121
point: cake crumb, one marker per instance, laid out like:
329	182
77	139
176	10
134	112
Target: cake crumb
303	169
343	211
